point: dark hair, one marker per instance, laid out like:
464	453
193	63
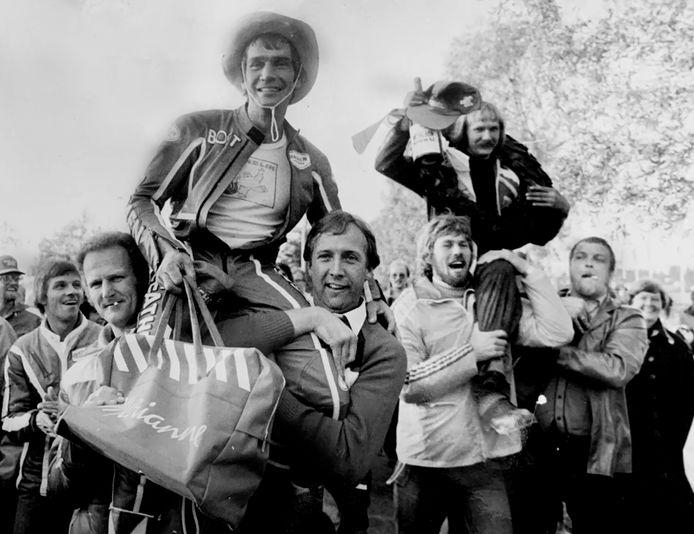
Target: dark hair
488	111
51	268
597	241
649	286
273	41
337	223
435	228
125	241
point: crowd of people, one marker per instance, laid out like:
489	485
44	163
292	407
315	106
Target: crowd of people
502	402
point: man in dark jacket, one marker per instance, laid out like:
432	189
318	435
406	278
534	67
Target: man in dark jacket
661	407
481	173
320	451
585	414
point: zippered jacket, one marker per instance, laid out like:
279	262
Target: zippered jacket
36	361
439	423
202	155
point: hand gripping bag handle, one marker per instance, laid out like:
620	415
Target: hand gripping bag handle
195	301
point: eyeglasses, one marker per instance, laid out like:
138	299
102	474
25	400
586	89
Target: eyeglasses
10	277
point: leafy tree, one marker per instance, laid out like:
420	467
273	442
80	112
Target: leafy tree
66	242
396	228
607	104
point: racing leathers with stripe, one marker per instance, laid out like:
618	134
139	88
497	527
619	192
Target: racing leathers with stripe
35	362
202	155
198	162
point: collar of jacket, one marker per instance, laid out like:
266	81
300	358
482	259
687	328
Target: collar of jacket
424	289
255	134
604	312
658	329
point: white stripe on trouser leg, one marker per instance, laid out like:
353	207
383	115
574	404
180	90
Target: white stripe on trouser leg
325	357
43	490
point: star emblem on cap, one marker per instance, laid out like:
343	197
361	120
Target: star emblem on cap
468	101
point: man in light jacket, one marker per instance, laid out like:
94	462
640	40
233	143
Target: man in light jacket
441	440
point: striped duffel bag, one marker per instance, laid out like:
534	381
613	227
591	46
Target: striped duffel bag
196	419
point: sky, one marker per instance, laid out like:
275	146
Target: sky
90	87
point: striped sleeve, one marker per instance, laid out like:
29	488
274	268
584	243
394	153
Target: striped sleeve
432	366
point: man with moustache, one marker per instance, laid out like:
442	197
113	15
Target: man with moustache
484	174
585	414
33	370
442	441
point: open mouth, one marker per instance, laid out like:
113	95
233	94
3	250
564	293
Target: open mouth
269	90
457	265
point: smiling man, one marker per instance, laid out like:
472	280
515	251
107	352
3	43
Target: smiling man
585	417
237	182
449	454
33	370
340	254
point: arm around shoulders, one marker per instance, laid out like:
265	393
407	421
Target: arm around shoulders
345	449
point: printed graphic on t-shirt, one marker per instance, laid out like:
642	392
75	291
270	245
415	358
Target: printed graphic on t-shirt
255	183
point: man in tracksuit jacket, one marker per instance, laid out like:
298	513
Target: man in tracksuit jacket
33	368
237	182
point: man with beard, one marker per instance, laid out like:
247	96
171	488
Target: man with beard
585	414
479	172
442	442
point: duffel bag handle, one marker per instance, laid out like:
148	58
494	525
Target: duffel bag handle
195	300
195	305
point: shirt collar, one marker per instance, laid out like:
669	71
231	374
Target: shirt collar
55	338
356	317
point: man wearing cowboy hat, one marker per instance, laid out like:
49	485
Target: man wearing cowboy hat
238	181
16	313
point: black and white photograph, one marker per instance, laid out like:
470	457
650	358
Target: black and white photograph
347	267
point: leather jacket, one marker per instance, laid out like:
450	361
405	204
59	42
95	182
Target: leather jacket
201	156
605	356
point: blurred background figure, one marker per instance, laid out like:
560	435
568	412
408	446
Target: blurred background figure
398	279
661	408
12	307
